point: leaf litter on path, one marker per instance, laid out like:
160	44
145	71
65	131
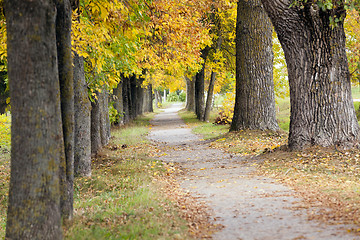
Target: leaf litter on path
247	205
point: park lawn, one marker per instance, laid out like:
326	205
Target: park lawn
130	195
127	196
5	143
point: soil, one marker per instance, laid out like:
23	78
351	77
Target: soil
247	205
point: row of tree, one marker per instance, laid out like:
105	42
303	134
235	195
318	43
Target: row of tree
313	39
60	92
56	127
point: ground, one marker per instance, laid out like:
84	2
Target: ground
246	205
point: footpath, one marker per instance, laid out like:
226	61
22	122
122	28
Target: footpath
249	207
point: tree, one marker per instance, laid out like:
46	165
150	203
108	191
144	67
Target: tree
82	107
210	91
255	100
200	87
65	69
313	40
119	102
96	124
190	93
4	93
37	139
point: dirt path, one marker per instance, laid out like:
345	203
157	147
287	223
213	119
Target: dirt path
249	207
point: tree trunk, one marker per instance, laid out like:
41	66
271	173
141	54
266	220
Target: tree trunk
4	94
209	96
190	94
36	131
126	99
95	127
104	117
82	107
118	102
145	100
132	97
158	99
322	110
139	97
164	100
148	99
255	99
200	87
151	99
63	40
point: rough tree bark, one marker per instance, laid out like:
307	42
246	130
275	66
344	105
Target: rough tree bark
209	96
322	110
82	107
126	99
104	117
118	102
148	99
63	41
200	88
36	131
255	99
132	98
95	126
190	94
139	97
210	92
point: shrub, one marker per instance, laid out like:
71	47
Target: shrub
5	136
172	97
113	115
226	110
182	97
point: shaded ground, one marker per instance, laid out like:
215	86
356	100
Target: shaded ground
248	206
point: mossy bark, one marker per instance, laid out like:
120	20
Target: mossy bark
36	131
119	102
140	95
63	41
82	107
322	109
126	98
255	99
104	117
95	126
132	98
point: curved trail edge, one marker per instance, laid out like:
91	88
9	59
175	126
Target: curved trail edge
248	206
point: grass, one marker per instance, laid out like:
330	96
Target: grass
207	130
283	113
5	122
123	199
5	138
355	91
